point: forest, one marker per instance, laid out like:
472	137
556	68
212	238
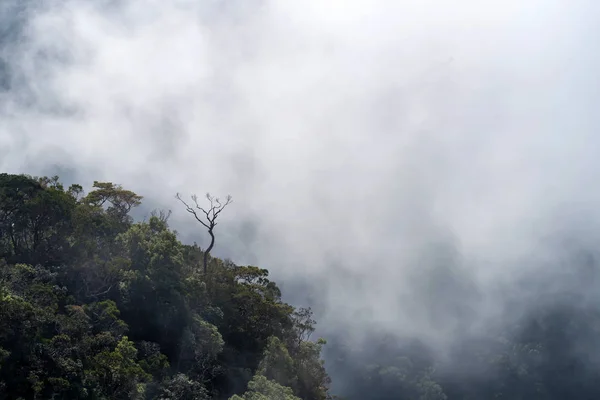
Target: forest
96	305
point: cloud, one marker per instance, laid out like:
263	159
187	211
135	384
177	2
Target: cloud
360	140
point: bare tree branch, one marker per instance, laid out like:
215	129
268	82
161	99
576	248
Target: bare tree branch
208	218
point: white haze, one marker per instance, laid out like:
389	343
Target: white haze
355	136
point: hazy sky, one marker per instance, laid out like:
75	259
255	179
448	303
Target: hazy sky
356	137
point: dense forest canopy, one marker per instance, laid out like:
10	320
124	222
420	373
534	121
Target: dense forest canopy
95	305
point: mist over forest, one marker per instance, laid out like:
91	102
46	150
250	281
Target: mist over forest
413	181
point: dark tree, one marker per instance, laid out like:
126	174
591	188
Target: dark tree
207	217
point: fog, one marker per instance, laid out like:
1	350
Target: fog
403	159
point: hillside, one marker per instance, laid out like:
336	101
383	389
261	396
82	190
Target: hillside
96	306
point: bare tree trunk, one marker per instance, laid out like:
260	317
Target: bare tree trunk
209	219
207	251
14	241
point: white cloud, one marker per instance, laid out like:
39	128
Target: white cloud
355	133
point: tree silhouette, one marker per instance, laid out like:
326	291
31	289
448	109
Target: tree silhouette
207	217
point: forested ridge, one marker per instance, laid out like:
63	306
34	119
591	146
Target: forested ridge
94	305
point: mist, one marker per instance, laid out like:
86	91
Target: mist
405	166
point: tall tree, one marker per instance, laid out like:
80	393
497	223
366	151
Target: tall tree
207	217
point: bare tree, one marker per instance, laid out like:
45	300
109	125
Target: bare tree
207	217
162	215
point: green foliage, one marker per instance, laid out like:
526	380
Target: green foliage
277	365
182	387
261	388
120	201
313	381
95	306
34	220
116	372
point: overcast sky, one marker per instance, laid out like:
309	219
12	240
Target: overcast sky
357	138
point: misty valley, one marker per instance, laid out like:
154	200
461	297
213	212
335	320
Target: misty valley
97	305
413	210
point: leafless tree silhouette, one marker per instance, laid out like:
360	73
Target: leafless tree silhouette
207	217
